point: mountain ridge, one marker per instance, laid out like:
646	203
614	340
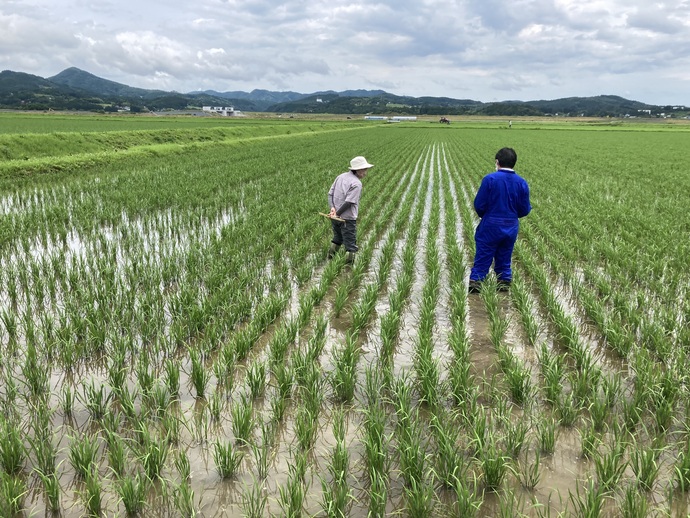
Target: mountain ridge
74	88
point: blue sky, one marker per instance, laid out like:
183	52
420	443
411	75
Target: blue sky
486	50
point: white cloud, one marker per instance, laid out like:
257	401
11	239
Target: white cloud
481	50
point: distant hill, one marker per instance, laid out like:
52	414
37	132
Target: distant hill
81	80
75	89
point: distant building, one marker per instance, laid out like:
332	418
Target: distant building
375	118
401	119
225	111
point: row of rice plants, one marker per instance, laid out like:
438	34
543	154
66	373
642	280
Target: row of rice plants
145	376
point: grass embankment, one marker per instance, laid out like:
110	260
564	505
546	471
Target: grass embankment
39	153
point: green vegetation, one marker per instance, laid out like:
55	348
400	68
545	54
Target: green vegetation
172	332
74	89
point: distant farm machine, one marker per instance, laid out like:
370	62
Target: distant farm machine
444	120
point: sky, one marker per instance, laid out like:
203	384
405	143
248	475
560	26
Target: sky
484	50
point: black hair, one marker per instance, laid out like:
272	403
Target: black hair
507	157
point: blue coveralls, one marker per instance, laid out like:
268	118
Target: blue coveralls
502	198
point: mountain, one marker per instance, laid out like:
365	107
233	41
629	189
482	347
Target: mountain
75	89
81	80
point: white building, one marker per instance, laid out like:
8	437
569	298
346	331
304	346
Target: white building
225	111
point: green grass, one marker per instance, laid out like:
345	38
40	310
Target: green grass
156	301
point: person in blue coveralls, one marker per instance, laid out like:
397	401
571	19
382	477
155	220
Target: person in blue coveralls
502	198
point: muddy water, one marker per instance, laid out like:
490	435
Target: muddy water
561	472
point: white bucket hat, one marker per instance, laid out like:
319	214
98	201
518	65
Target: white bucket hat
359	162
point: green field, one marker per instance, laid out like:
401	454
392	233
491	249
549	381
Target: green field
174	341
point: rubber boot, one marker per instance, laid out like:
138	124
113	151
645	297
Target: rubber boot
474	286
502	285
333	250
350	259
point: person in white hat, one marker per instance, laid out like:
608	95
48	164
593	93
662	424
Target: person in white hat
343	199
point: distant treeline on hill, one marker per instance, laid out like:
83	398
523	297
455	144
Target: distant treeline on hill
75	89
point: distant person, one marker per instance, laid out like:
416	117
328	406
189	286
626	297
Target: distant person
502	198
510	124
343	199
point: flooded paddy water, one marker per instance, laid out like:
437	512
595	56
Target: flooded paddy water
214	364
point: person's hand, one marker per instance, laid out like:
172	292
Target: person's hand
332	214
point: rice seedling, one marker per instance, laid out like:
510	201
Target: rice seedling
567	410
428	375
83	452
362	311
283	376
278	407
344	378
519	380
145	376
51	489
12	449
13	491
92	494
610	466
611	386
224	368
254	499
449	462
153	452
216	405
305	428
663	415
528	473
182	465
546	433
420	499
184	501
375	439
412	454
634	504
256	379
599	412
590	441
516	434
117	455
158	400
467	502
227	458
631	414
643	462
199	376
478	422
494	464
127	399
291	496
35	375
588	502
132	491
242	419
335	499
681	468
67	401
171	425
341	295
336	495
117	372
510	505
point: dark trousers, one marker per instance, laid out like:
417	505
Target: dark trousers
345	233
494	242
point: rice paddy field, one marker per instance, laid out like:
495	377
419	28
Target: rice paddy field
174	341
